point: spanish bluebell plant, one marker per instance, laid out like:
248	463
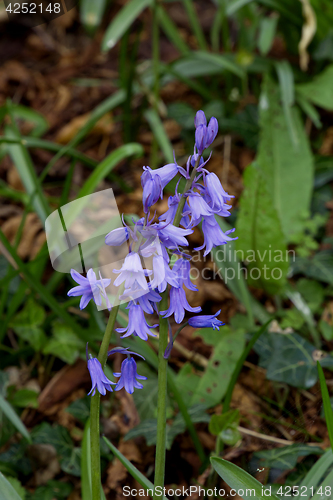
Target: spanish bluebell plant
152	279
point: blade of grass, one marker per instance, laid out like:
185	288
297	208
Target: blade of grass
222	61
122	22
11	414
189	6
106	166
91	14
157	128
145	483
326	402
171	30
7	492
30	115
316	473
25	168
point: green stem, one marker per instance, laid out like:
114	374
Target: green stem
156	69
94	412
161	400
188	184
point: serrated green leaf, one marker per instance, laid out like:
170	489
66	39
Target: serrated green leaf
219	422
239	480
287	358
262	241
282	163
64	344
320	89
285	458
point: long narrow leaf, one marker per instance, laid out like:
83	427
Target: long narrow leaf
86	464
195	23
10	413
157	128
171	30
24	166
222	61
145	483
326	402
123	21
243	483
316	473
91	14
107	165
7	492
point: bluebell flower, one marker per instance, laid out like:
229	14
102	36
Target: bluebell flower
148	301
200	118
212	130
178	304
163	274
152	190
206	321
136	324
201	138
213	235
132	273
215	191
117	237
98	378
89	288
166	173
182	269
172	236
199	208
129	376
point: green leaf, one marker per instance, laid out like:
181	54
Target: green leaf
267	30
91	14
86	464
221	61
326	402
320	89
319	267
262	242
12	416
287	358
316	473
285	458
53	490
59	437
282	163
157	129
122	22
107	165
213	384
22	161
7	492
246	486
25	398
147	485
15	483
30	115
64	344
26	324
312	291
219	422
146	399
234	5
286	80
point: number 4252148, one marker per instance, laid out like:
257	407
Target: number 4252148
32	8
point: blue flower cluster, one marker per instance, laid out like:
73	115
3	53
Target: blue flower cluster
161	244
